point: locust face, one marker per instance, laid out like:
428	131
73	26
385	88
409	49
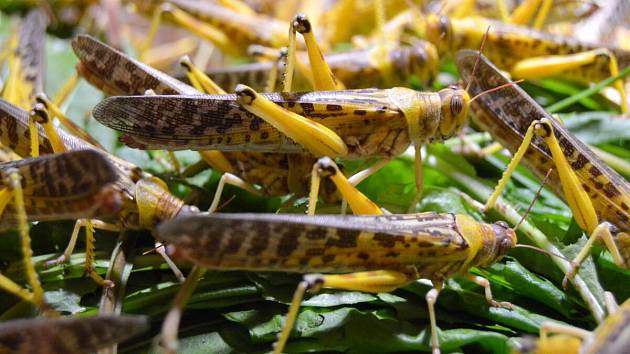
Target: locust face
454	110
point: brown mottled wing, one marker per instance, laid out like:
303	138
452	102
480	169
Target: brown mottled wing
117	74
68	335
507	113
14	133
62	186
218	122
327	243
30	49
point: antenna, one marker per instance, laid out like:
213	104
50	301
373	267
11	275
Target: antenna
540	250
511	83
531	205
483	43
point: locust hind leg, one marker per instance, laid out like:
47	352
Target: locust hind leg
53	108
14	192
199	79
327	168
537	67
315	137
372	282
39	115
204	30
319	71
524	13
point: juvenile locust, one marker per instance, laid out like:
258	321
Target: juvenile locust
597	195
376	253
68	335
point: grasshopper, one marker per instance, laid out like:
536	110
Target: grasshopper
53	188
68	335
276	173
145	199
597	195
523	52
611	336
359	68
372	253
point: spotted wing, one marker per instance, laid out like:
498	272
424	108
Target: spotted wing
68	335
507	113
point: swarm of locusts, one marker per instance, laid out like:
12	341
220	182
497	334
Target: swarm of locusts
315	176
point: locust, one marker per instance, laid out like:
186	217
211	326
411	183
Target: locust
611	336
68	335
53	188
357	68
598	197
145	199
370	253
523	52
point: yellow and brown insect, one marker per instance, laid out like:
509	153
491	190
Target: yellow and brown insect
611	337
68	335
54	187
276	174
358	68
597	195
145	200
523	52
370	253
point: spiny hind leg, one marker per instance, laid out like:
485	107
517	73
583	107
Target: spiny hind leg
199	79
170	325
322	77
533	68
315	137
13	181
325	167
39	115
55	111
601	232
524	13
371	282
485	284
80	223
183	19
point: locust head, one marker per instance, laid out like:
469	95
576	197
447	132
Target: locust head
439	31
454	103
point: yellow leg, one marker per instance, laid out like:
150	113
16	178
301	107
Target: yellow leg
170	326
13	181
533	68
74	237
518	156
275	70
89	257
199	79
217	160
39	114
359	203
485	284
373	282
503	11
601	232
66	89
524	13
431	298
315	137
324	80
236	181
55	111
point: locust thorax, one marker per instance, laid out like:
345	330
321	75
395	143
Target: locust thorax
155	202
454	103
489	242
439	31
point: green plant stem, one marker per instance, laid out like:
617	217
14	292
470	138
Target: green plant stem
482	192
560	105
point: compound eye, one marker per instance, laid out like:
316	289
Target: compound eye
505	246
503	224
443	25
457	104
